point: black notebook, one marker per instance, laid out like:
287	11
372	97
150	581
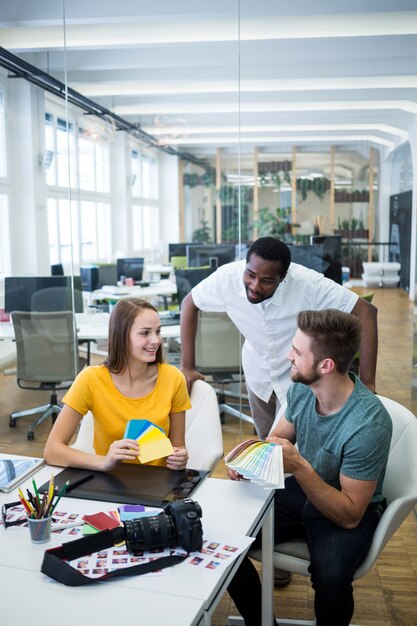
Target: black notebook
129	483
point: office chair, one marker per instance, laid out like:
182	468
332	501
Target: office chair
218	355
47	359
400	490
203	434
185	280
60	299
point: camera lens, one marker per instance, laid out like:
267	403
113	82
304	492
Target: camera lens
148	533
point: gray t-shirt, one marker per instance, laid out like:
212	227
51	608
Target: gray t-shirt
354	441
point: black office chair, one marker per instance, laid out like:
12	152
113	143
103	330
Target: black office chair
47	359
188	278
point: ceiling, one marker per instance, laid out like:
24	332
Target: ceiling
265	74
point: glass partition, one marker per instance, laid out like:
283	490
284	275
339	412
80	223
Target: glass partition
141	128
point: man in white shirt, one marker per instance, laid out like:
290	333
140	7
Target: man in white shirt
263	296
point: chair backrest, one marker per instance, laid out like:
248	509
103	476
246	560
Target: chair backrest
56	299
218	344
400	484
46	345
401	474
203	433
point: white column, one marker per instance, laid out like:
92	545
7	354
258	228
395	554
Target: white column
28	215
121	197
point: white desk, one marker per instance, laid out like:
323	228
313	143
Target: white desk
237	508
30	598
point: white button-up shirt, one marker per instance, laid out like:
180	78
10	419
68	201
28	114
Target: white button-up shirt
270	326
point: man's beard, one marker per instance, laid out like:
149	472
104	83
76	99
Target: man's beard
306	379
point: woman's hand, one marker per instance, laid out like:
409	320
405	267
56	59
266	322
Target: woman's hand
121	450
178	460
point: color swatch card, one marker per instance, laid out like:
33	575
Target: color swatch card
258	461
153	442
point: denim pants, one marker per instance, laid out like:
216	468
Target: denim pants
335	555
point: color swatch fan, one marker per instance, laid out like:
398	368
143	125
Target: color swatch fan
258	461
153	442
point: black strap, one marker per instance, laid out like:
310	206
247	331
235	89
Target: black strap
55	564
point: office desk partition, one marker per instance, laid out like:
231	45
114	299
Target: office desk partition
234	508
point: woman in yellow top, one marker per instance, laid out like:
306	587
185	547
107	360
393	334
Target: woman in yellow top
132	383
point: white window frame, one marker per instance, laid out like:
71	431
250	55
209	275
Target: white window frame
96	198
145	208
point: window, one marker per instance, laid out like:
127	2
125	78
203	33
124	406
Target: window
79	231
62	231
145	222
83	227
95	231
145	206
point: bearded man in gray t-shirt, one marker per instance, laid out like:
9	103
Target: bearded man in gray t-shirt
333	497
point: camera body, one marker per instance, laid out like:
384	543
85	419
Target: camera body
179	525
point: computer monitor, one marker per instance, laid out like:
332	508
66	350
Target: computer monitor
20	292
315	257
310	256
210	255
131	268
332	254
189	278
107	274
177	249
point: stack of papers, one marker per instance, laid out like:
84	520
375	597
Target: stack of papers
153	442
258	461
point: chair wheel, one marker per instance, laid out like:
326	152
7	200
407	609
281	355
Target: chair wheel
12	422
31	435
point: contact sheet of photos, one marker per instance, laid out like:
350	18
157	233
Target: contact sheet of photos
214	555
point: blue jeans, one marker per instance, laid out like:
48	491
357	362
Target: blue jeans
335	553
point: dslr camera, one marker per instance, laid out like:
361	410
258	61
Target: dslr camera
178	525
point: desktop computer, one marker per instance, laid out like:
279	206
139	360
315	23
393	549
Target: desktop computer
89	277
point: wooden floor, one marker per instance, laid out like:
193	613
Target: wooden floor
387	595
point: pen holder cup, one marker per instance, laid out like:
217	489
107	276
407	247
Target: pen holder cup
40	529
